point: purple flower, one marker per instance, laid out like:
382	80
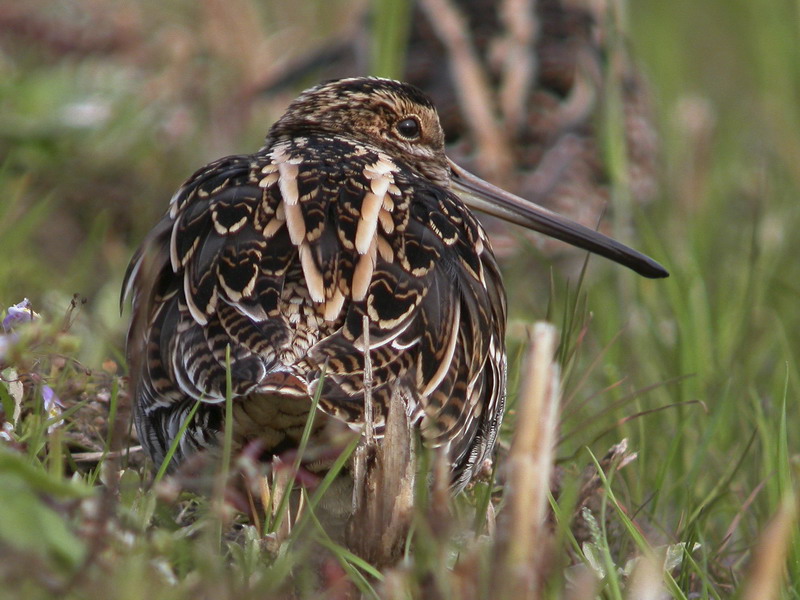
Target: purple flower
52	406
51	403
19	313
15	315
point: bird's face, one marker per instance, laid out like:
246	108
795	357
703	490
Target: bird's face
401	121
389	115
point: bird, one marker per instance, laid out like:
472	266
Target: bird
348	240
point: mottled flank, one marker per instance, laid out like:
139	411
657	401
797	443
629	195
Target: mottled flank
344	213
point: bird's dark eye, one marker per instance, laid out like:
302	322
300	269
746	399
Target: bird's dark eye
408	128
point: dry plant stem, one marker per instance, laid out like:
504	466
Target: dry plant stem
552	168
283	480
366	448
743	510
519	69
369	428
582	99
383	491
474	92
521	532
95	456
266	497
766	570
383	479
362	457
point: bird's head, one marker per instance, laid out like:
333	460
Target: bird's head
389	115
400	120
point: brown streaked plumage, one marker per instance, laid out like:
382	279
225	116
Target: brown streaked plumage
350	210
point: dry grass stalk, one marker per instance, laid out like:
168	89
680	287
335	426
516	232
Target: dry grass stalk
522	532
369	425
474	92
80	457
282	483
383	495
766	571
519	68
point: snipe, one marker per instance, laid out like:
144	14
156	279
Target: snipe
351	210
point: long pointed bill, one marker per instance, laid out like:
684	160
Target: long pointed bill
483	196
